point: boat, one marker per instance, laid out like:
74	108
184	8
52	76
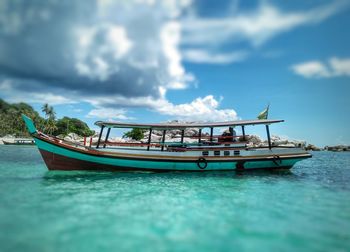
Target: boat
209	153
19	142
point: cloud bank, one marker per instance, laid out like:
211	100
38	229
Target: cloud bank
208	57
255	26
335	67
119	54
85	48
206	109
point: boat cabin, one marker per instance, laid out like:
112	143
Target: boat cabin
227	140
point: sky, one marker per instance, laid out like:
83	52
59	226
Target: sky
190	60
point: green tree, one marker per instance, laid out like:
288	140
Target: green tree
45	109
135	133
50	115
50	126
11	121
68	125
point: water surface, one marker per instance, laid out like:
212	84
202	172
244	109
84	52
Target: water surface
306	209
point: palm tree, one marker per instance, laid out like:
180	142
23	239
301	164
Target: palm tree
45	109
50	126
50	116
51	113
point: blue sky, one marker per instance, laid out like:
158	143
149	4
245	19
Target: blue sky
182	59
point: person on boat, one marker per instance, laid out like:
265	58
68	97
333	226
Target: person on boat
232	134
228	135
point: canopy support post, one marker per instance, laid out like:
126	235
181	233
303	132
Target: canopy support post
200	136
268	136
99	137
243	133
108	131
149	139
163	139
211	134
182	136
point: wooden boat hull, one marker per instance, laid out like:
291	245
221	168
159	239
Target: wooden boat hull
59	162
59	157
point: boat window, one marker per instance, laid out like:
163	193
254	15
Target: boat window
236	152
205	153
226	153
216	153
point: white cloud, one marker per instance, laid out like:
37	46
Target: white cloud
257	26
109	114
200	109
170	37
6	89
51	98
311	69
5	85
85	49
340	67
317	69
93	59
204	56
118	37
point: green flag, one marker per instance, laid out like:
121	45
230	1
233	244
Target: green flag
264	114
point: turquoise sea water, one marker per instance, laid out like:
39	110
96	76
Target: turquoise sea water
306	209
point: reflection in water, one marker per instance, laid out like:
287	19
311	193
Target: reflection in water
80	176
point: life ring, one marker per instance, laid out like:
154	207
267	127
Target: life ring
277	160
202	163
240	165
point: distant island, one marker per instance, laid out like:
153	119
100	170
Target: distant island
12	125
73	129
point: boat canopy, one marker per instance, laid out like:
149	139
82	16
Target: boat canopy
168	126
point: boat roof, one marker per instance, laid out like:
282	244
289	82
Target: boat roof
165	126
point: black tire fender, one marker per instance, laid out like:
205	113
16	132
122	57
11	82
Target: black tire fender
202	163
240	165
277	160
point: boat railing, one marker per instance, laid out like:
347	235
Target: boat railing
170	146
131	144
217	136
208	136
178	146
272	147
63	141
